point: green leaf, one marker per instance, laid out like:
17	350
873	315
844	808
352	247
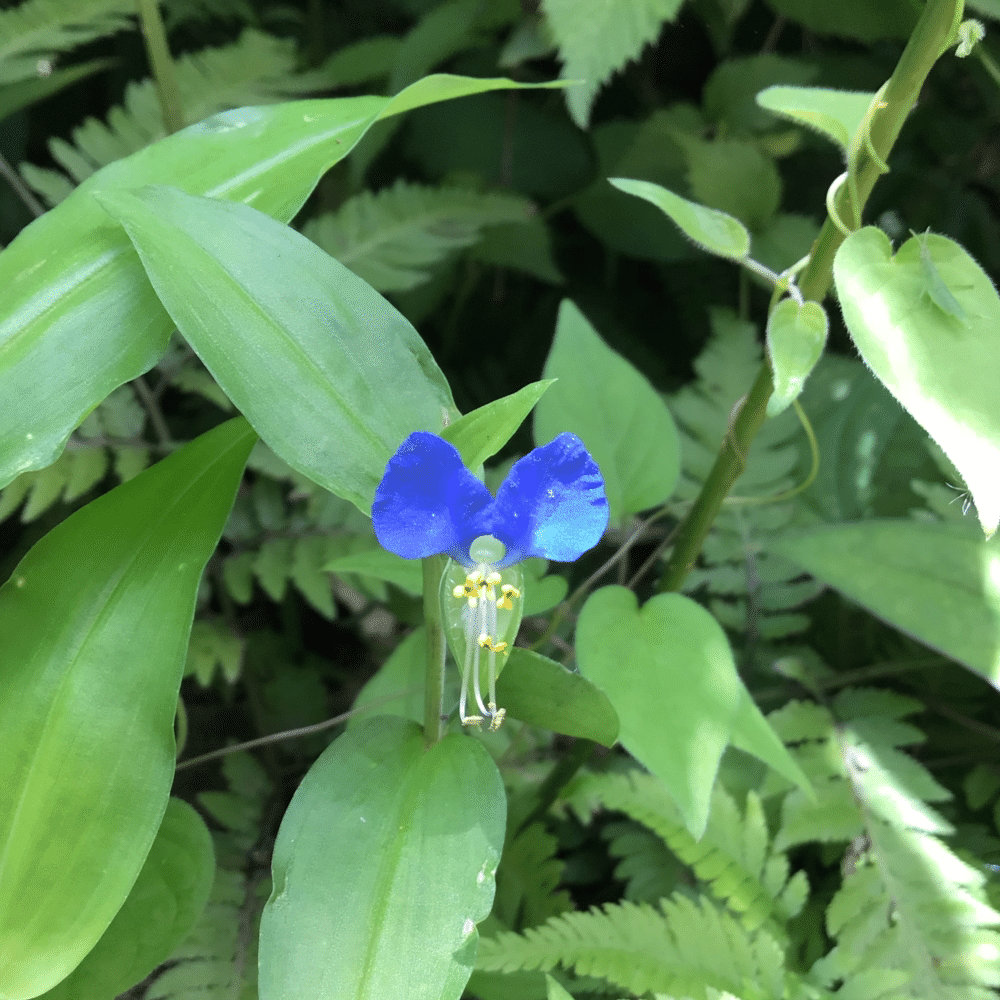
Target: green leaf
15	96
404	573
932	581
544	693
796	336
361	378
337	925
553	991
669	673
519	246
713	231
96	620
74	269
942	368
734	176
752	733
159	912
614	410
596	40
396	237
479	435
837	114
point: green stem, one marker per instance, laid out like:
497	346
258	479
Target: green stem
162	65
934	30
433	567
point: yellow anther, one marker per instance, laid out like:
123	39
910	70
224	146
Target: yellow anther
498	717
473	720
509	592
486	642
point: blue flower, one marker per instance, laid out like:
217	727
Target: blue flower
551	504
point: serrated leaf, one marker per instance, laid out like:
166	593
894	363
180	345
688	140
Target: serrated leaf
237	574
712	230
309	576
273	565
598	37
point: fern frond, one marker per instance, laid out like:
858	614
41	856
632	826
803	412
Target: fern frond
749	590
686	948
214	645
218	960
34	33
257	69
396	237
526	881
646	865
103	441
733	857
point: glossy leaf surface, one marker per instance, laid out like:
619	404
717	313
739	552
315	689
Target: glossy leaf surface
614	410
79	317
711	229
669	673
935	582
96	620
166	900
383	866
796	336
331	376
925	322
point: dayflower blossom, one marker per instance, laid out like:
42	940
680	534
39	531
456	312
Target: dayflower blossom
551	505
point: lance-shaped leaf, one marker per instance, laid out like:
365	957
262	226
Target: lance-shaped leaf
926	321
837	114
163	906
382	868
331	376
79	317
95	620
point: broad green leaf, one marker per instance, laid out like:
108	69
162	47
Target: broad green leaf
544	693
404	573
796	336
597	39
734	176
925	322
74	269
401	678
479	435
95	620
332	377
382	868
617	414
669	673
859	19
932	581
713	231
159	912
837	114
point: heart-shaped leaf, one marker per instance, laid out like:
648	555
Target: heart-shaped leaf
926	321
796	336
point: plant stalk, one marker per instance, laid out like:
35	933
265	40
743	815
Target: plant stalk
162	65
934	31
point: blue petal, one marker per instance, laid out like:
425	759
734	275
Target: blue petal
552	504
427	500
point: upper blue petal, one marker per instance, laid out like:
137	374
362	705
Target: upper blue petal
552	504
428	500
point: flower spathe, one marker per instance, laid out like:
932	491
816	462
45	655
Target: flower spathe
551	505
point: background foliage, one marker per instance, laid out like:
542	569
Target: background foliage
477	218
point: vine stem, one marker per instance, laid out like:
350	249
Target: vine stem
878	132
162	65
433	569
